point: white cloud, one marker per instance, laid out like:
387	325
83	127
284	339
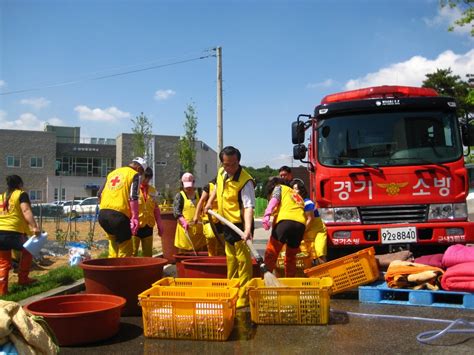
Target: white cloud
446	17
162	95
413	71
323	84
26	121
109	114
55	121
3	83
36	102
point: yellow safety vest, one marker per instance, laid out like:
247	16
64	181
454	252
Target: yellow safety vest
116	193
228	194
194	231
204	216
12	220
291	206
146	207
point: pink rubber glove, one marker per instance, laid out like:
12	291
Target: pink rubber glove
268	212
183	223
266	222
134	223
159	223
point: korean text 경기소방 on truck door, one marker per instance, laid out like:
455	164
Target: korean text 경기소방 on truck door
387	169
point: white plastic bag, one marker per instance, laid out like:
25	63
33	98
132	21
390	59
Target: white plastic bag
76	255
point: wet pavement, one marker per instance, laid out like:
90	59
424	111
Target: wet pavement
346	333
354	328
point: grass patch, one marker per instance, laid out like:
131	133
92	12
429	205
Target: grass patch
60	276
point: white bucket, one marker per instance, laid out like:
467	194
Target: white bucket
35	243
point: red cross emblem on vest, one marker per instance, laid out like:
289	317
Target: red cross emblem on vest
115	181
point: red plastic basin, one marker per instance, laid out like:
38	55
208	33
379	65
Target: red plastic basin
80	319
125	277
211	267
184	256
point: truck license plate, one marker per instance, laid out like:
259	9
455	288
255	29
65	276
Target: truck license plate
398	235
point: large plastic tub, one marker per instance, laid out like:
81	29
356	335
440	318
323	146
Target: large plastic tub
350	271
167	239
80	319
198	313
180	272
214	267
126	277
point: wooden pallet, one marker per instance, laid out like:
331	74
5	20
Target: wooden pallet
379	292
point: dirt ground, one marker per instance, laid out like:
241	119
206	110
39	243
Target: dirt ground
71	232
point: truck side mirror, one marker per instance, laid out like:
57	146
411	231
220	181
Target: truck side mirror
297	132
299	151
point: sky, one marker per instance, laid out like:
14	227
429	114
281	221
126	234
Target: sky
98	64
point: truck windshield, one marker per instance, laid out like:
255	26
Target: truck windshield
388	139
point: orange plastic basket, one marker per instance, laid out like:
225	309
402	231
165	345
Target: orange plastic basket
299	301
188	282
349	271
197	313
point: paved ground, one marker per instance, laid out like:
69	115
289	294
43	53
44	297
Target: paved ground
354	328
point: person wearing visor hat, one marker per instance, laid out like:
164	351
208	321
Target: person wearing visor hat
118	214
189	236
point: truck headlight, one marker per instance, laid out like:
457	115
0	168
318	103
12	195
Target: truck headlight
340	215
447	211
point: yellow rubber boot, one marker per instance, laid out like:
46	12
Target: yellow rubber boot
135	245
147	246
5	264
232	263
113	246
125	248
244	260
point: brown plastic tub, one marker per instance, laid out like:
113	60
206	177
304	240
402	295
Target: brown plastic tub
80	319
126	277
211	267
180	272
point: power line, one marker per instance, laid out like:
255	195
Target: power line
106	76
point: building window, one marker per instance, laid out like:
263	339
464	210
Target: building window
56	194
36	162
205	168
13	162
161	163
36	195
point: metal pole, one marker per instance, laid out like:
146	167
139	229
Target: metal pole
219	103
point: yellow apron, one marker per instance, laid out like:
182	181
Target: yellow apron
194	231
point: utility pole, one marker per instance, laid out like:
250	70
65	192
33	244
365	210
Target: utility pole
219	103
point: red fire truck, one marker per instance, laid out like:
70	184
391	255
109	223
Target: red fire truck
387	169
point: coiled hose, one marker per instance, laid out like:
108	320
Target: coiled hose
428	336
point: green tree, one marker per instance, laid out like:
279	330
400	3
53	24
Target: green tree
187	143
142	136
261	176
467	13
447	84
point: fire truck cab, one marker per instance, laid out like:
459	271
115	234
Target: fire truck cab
387	169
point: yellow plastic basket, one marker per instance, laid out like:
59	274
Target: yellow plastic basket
349	271
299	301
189	282
303	261
198	313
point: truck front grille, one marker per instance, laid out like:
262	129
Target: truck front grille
393	214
